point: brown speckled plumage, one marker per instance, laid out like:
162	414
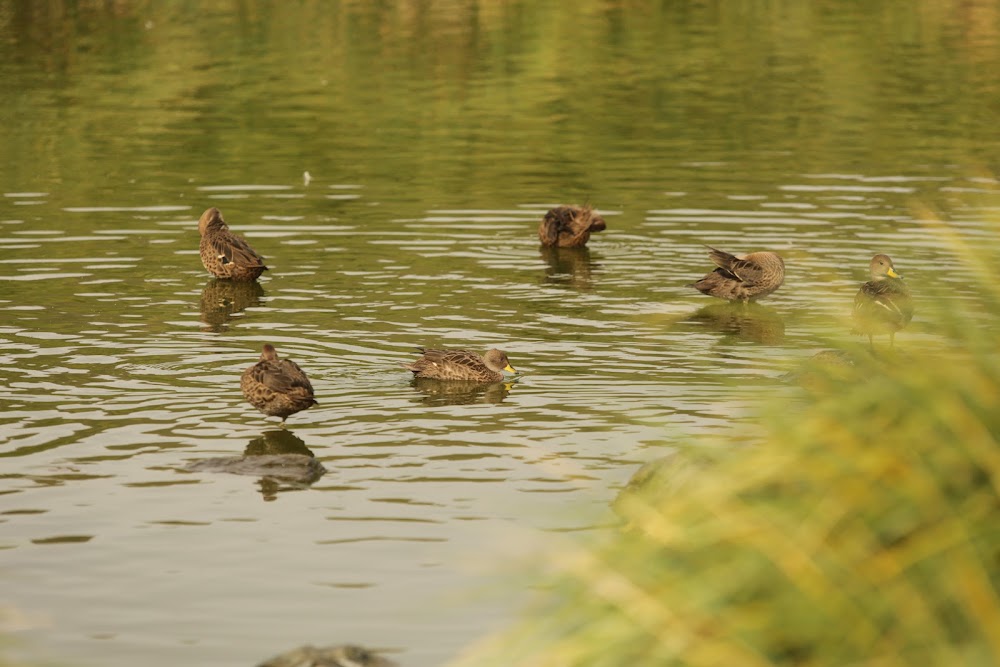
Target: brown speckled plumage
743	278
461	365
225	254
883	304
569	226
277	387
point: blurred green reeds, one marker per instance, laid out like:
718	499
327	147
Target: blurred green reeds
864	530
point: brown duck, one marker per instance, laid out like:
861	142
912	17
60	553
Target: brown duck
277	387
569	226
461	365
883	304
742	278
225	254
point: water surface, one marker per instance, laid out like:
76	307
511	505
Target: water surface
435	136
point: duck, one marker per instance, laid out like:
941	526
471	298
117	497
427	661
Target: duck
569	226
277	387
742	278
883	304
461	365
224	254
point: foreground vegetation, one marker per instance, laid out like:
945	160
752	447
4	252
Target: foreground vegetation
865	531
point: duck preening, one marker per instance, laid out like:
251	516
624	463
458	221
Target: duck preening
277	387
224	254
569	226
742	278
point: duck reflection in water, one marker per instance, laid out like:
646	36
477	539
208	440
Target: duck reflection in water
221	300
279	458
277	442
570	267
751	322
460	392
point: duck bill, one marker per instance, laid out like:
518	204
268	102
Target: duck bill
892	273
509	368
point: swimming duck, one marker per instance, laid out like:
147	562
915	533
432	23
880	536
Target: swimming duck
883	304
743	278
461	365
277	387
225	254
569	226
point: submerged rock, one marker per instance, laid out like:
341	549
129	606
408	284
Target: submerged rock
661	478
831	370
329	656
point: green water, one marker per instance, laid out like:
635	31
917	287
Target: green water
435	135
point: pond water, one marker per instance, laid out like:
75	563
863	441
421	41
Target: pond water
391	161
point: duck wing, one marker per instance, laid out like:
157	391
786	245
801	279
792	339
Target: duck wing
465	359
891	297
282	377
548	230
448	360
741	270
232	249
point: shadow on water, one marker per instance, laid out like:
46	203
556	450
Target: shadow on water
459	392
571	267
223	299
279	458
749	322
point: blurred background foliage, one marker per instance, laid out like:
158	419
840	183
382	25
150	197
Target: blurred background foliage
594	92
